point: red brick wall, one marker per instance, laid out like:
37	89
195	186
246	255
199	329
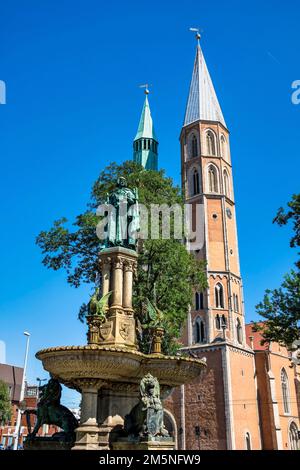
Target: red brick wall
204	400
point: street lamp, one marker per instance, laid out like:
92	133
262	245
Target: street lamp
18	424
40	381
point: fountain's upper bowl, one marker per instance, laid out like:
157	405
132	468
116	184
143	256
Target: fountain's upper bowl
81	366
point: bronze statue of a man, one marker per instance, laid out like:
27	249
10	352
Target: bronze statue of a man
123	219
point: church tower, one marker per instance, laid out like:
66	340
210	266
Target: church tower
207	180
219	411
145	144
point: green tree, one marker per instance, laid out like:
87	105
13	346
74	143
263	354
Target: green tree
5	404
281	307
166	270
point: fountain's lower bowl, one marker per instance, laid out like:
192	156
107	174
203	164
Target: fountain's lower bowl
81	366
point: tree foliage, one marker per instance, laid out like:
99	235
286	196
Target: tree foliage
281	307
5	404
164	266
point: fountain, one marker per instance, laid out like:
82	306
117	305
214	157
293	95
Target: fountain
110	372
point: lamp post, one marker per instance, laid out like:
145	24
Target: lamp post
18	424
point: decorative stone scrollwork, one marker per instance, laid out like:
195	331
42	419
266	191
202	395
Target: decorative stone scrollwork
124	329
118	263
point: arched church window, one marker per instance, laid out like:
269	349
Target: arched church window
224	321
194	146
210	143
199	301
199	335
226	184
196	182
223	147
212	179
218	322
285	391
248	441
219	296
239	333
236	303
294	436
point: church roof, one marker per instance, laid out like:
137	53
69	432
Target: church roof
202	100
146	129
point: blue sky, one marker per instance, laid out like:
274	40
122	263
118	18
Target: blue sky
72	70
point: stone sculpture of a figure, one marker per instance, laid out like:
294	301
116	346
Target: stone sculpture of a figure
50	411
146	419
123	220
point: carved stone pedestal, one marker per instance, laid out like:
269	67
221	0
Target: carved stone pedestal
125	444
87	436
117	266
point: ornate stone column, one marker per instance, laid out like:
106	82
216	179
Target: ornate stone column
117	282
105	265
129	267
119	327
87	434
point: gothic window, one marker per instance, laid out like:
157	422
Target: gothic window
219	296
218	322
285	391
248	441
224	321
199	301
235	303
194	146
226	184
293	437
210	143
239	334
196	183
212	179
223	147
199	335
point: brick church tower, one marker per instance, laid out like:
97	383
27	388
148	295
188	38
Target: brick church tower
219	411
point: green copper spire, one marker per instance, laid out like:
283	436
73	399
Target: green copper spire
145	143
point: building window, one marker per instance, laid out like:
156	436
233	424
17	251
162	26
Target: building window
285	391
223	147
194	146
210	143
219	296
212	179
235	303
248	441
199	335
196	183
199	301
218	322
294	436
224	321
226	184
239	333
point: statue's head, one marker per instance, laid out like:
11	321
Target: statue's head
121	182
149	386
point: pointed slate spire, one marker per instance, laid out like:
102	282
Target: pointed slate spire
202	101
145	143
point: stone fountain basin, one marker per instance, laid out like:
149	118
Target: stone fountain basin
78	366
